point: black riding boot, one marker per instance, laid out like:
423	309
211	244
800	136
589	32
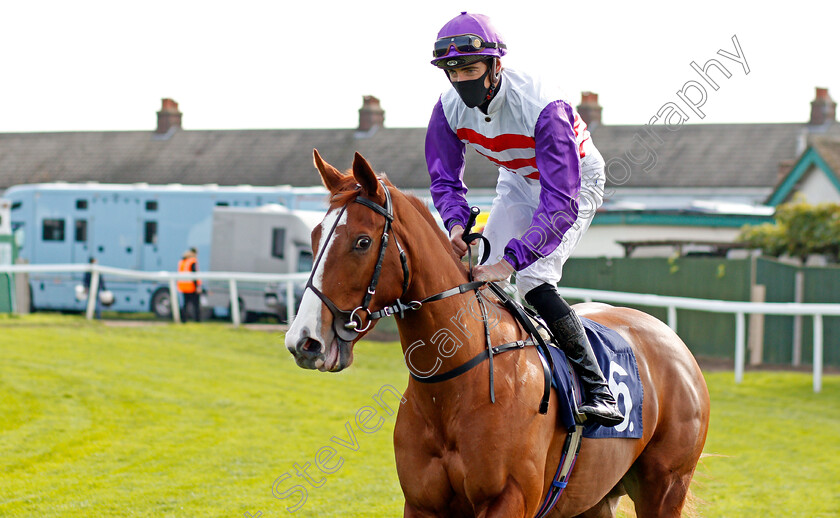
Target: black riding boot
599	404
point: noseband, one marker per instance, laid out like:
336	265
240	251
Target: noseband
348	324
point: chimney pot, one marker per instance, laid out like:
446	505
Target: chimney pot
823	108
371	114
589	109
169	117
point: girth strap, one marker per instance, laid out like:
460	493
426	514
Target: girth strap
519	313
571	448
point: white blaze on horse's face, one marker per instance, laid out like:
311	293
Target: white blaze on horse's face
308	325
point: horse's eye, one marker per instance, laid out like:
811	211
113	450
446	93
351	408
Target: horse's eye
363	243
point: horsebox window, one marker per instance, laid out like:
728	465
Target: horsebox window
53	230
81	231
81	204
278	242
151	205
150	233
304	261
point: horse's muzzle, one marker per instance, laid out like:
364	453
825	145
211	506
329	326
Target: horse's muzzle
311	354
306	352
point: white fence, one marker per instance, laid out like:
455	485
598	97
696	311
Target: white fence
170	279
738	309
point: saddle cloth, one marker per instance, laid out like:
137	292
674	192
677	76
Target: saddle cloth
618	363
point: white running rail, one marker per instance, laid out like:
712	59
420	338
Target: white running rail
738	309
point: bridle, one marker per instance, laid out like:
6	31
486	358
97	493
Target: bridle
348	324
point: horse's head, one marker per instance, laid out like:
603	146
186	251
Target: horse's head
355	268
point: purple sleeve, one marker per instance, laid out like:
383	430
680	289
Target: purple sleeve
445	160
558	162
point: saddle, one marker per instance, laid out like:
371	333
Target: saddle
615	357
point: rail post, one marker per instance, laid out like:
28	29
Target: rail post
93	294
174	306
818	351
672	317
740	331
234	303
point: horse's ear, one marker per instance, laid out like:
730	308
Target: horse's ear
330	176
365	176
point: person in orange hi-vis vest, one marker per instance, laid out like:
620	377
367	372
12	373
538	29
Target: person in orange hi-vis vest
189	287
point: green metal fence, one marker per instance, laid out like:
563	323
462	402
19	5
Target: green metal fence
819	284
823	285
712	334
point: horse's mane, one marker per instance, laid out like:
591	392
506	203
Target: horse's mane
421	207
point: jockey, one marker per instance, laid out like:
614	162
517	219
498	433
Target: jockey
551	182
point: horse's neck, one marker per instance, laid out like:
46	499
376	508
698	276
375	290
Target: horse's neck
456	329
445	334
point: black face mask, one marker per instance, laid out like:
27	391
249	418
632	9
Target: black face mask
473	92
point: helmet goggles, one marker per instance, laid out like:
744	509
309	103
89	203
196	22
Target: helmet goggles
464	43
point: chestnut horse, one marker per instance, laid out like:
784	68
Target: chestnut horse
457	453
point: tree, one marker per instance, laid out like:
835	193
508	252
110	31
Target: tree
800	229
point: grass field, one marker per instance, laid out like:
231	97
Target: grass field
205	420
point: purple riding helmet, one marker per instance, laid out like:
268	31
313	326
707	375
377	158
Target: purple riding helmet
465	39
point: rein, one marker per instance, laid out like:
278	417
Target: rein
347	325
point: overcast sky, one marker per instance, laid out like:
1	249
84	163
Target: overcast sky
96	65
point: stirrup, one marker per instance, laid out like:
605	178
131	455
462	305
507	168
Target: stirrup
608	420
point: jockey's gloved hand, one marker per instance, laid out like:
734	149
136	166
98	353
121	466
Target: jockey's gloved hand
493	272
456	237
